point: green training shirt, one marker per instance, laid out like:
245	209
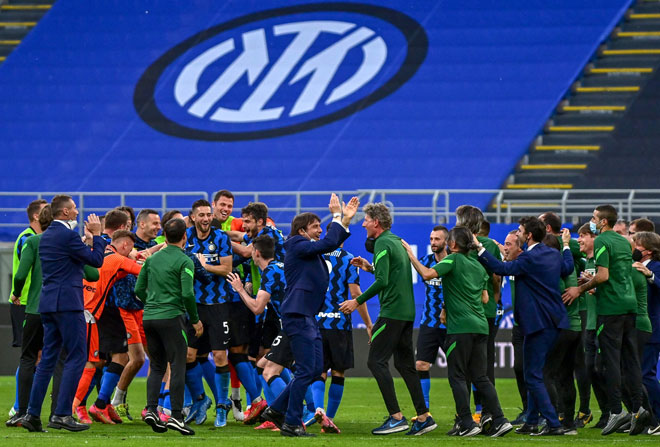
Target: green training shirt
393	282
573	309
165	285
490	308
30	268
18	252
642	322
463	281
512	286
592	314
616	296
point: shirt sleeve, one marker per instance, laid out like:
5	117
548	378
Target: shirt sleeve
602	256
188	291
142	280
382	270
24	268
90	273
224	245
445	266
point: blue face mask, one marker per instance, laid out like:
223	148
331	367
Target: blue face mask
593	228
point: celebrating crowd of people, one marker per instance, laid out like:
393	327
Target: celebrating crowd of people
231	302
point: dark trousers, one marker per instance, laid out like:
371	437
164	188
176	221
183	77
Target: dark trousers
517	342
642	339
33	341
490	357
581	375
394	338
593	364
17	316
558	373
617	339
167	344
536	348
649	375
61	330
307	349
466	361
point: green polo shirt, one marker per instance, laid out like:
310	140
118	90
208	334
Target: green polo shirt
393	279
590	299
573	309
642	322
616	296
490	308
165	285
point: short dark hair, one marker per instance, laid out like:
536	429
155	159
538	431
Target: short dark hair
33	208
301	221
463	239
198	203
174	230
484	228
131	213
58	203
533	226
551	241
123	233
115	219
144	213
258	210
266	246
222	193
586	229
643	224
470	217
553	220
168	215
45	217
440	228
607	212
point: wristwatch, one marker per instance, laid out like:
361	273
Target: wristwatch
336	215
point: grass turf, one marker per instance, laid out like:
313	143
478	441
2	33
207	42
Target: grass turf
361	410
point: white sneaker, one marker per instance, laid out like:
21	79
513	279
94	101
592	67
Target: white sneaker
237	410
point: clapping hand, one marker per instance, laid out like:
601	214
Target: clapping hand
94	224
351	208
566	236
334	206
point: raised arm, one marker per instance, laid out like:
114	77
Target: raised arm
425	272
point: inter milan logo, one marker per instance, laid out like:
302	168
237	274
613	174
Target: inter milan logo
212	247
280	71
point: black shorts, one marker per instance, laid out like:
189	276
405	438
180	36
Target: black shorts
216	329
272	327
256	329
17	315
429	340
337	349
241	319
112	332
280	351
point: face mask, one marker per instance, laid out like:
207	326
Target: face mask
593	228
72	224
370	244
637	255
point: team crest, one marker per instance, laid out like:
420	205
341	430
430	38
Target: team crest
212	247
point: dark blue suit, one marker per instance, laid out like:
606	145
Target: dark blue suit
652	347
306	284
61	306
540	313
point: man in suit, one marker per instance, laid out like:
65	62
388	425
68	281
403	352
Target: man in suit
63	255
306	276
539	312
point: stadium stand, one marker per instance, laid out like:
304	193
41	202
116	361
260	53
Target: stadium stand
17	18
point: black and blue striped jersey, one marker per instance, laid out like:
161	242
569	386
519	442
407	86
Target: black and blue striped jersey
433	301
217	245
277	237
342	273
273	282
142	244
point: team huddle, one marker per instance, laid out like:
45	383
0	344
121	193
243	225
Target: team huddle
231	302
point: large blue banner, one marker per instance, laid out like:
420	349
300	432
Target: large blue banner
287	95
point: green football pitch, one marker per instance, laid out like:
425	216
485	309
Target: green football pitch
361	410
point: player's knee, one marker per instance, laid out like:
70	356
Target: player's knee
336	373
220	358
121	358
190	357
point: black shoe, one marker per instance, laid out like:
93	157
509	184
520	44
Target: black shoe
273	416
180	426
294	431
527	429
639	421
153	421
31	423
15	420
486	423
67	423
457	426
550	431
